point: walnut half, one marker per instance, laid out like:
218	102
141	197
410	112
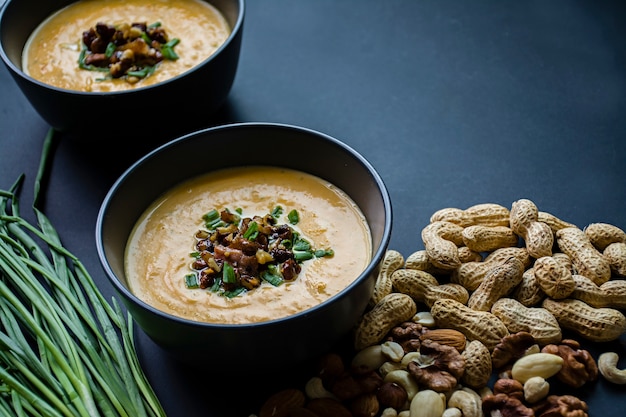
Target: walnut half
579	367
437	367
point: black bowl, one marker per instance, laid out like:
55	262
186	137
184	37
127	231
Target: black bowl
187	98
286	341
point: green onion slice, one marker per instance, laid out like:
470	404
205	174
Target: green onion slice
110	50
191	281
275	280
293	217
301	245
142	73
277	212
252	232
301	256
168	50
321	253
229	276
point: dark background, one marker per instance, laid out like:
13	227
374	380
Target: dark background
455	103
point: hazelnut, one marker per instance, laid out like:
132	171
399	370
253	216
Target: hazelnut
392	395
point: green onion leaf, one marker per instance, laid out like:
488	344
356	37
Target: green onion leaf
277	212
300	256
252	232
216	285
168	50
274	270
234	293
275	280
212	220
146	38
81	56
228	274
302	245
191	281
211	215
142	73
293	217
172	42
110	50
320	253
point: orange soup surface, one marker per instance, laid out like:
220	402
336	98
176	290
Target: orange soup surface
158	251
52	53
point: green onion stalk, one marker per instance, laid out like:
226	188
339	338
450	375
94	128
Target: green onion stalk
65	351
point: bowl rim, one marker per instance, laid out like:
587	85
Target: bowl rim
376	259
235	31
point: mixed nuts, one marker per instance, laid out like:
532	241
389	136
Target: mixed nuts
474	324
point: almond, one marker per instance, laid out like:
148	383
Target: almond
328	407
365	405
280	403
448	337
302	412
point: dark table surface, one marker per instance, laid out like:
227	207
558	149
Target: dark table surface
455	103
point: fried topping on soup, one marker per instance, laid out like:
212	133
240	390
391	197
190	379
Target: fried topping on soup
235	254
129	51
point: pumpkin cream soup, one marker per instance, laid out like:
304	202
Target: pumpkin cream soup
112	45
246	245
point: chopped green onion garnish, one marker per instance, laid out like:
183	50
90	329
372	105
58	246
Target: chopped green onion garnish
191	281
320	253
110	50
211	215
81	57
138	69
146	38
252	232
228	274
168	49
293	217
277	211
212	220
195	254
234	293
302	245
226	228
216	285
172	42
302	255
274	270
275	280
143	73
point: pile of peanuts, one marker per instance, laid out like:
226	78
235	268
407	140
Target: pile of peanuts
491	281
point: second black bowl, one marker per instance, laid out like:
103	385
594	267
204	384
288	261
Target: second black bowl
188	99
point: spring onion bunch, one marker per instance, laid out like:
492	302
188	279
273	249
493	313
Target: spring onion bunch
65	351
